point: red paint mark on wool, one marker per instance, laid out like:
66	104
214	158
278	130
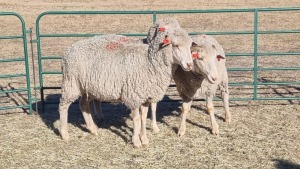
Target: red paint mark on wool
124	39
112	45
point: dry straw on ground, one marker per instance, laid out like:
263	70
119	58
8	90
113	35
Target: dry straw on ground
264	134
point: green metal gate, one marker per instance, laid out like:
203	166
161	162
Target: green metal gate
254	55
24	74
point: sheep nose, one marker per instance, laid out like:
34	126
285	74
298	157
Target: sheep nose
190	65
214	78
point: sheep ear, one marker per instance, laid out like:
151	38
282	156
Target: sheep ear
152	33
219	57
219	54
194	44
166	40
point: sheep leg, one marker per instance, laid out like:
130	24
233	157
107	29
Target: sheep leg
85	108
97	109
143	135
225	97
186	107
63	111
210	109
155	128
135	114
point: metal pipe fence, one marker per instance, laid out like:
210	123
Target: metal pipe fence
23	59
256	53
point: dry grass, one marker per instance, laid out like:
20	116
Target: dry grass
264	134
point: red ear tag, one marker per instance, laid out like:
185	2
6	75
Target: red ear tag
161	29
195	55
166	41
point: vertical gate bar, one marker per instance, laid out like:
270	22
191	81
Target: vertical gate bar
26	64
255	54
33	71
154	17
40	64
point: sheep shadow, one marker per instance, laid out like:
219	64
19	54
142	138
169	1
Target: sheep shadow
115	115
175	106
200	109
285	164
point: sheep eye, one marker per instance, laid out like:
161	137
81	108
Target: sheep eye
176	46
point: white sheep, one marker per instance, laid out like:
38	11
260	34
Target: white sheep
196	82
114	68
210	63
208	75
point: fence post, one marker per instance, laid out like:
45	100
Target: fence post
255	65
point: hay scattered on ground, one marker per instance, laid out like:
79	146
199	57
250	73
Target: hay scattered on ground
264	134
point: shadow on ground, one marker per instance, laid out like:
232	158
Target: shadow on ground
115	115
285	164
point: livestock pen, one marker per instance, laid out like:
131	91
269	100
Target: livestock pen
262	57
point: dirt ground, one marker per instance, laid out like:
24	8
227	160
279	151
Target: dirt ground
263	134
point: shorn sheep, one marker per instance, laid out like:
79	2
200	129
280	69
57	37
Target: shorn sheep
209	74
114	68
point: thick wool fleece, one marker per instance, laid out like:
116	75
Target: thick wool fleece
115	68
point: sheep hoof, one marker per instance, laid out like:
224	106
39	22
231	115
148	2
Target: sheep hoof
215	131
93	130
94	133
228	120
155	129
64	135
136	142
145	141
181	131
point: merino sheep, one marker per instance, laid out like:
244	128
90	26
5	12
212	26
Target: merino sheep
208	75
200	85
133	73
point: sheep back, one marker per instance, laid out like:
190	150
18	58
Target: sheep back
109	69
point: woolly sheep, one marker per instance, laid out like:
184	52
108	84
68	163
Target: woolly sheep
208	75
209	83
199	85
168	23
133	73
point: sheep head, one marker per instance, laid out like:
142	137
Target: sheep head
181	43
166	34
205	57
162	25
